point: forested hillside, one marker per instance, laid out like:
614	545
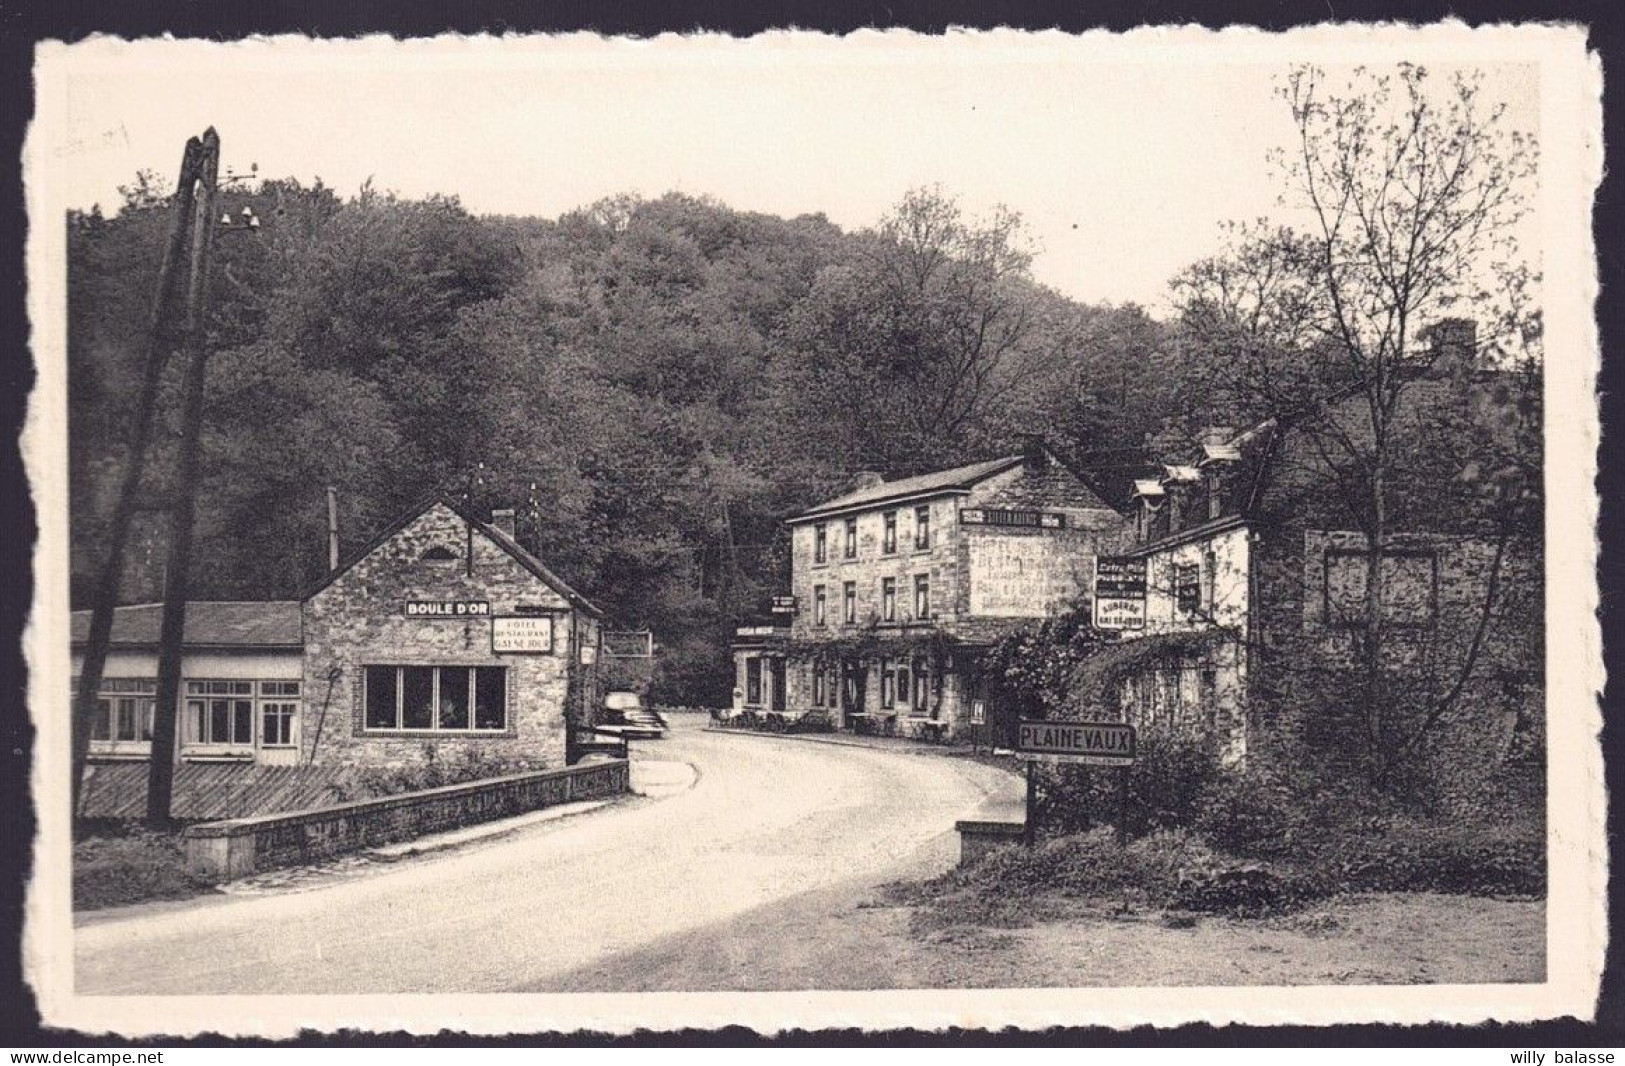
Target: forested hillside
654	384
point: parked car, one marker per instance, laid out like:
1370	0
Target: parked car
625	715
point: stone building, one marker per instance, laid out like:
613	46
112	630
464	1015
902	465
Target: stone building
1256	575
442	632
896	587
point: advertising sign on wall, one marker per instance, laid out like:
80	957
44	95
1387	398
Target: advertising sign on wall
447	608
1119	592
522	635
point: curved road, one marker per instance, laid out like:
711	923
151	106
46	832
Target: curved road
766	820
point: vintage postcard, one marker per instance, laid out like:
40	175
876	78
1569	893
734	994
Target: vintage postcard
544	534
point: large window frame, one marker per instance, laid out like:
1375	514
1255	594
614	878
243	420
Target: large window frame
125	709
922	597
849	603
888	599
820	543
443	716
888	536
850	548
820	605
922	528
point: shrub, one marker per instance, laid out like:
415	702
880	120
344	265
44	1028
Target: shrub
1408	854
1166	782
130	867
813	722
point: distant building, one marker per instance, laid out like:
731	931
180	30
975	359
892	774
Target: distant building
897	586
442	630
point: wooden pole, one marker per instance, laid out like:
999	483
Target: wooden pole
1122	805
1029	830
161	765
112	573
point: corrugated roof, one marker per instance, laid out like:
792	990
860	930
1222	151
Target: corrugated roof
209	623
957	479
206	792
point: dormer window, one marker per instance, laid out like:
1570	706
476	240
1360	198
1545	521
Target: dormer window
439	554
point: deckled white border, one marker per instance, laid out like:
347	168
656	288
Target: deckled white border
1571	164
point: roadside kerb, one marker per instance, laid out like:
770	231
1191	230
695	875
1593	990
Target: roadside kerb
241	846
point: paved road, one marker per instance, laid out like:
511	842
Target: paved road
767	819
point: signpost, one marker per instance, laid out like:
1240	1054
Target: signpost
1119	601
1086	742
784	605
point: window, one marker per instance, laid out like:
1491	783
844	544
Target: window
888	599
888	691
820	605
922	596
1409	587
1188	587
903	686
457	699
922	685
849	602
753	680
888	540
220	713
818	681
922	528
851	538
820	543
279	710
124	709
834	687
440	554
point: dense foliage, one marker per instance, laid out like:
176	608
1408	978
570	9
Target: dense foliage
654	384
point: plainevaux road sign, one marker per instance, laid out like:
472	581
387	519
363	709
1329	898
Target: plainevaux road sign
1091	743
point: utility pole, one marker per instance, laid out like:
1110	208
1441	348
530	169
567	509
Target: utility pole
112	573
161	765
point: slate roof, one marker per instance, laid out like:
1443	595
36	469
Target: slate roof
206	792
209	624
502	540
959	479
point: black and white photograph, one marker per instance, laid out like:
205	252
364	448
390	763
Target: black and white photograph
543	533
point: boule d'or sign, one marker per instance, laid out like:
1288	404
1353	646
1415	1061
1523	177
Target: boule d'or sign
448	608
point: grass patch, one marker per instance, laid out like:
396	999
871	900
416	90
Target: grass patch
131	866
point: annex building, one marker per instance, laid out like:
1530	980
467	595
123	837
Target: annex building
443	632
897	586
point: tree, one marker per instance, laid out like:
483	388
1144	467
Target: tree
1410	190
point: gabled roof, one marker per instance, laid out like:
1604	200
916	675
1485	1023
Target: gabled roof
496	536
209	624
959	479
1148	486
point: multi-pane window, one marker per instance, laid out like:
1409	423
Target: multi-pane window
849	602
279	710
820	605
888	599
888	539
851	538
922	596
833	688
220	713
888	691
922	528
818	681
124	709
436	698
820	543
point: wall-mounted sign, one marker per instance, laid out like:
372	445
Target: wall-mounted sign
978	712
447	608
1020	577
589	655
1188	588
784	605
522	635
992	516
756	631
1092	743
1119	601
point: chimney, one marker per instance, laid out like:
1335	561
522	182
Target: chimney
502	519
867	479
1452	346
332	528
1034	456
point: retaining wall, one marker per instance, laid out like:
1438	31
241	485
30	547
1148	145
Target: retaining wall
241	846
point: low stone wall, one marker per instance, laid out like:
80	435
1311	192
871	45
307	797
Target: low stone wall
978	838
241	846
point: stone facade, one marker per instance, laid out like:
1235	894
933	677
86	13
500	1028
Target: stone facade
976	581
360	619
